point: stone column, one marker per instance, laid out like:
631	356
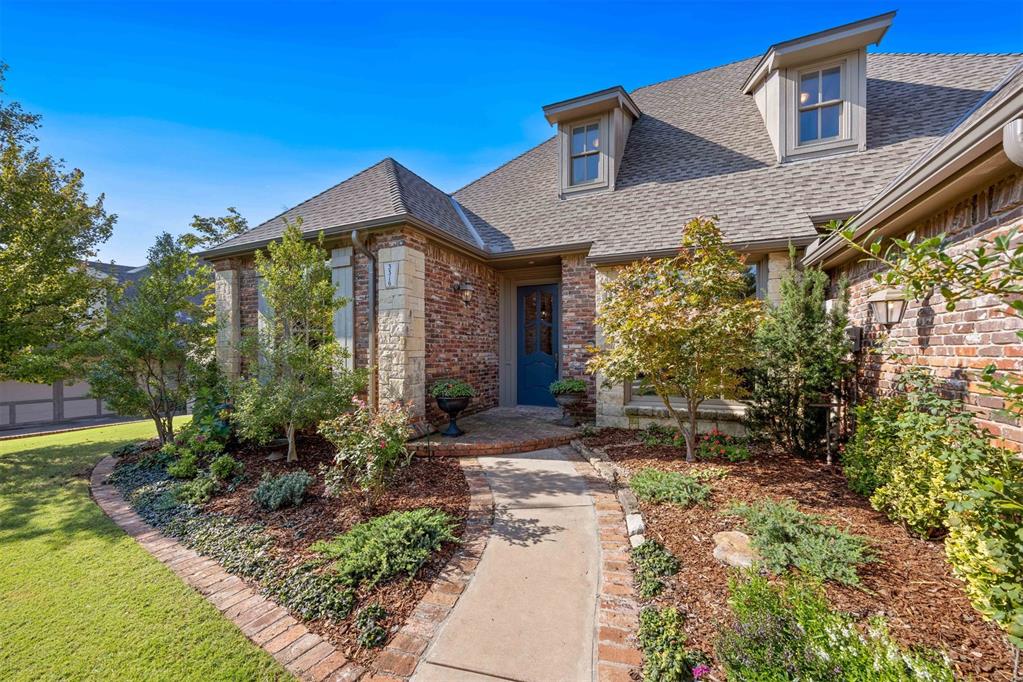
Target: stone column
229	327
610	399
777	265
401	328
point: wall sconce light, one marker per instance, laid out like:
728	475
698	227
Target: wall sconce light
465	290
887	306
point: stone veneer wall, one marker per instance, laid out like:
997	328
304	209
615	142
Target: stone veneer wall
461	339
957	345
578	331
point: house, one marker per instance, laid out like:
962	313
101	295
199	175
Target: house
24	404
498	282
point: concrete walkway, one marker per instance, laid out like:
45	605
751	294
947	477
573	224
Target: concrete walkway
528	614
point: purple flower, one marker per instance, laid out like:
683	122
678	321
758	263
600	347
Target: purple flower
700	670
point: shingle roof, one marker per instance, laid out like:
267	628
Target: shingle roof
384	190
701	148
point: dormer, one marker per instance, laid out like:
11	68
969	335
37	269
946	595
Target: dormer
592	130
812	91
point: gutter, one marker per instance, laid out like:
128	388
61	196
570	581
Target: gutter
760	246
371	271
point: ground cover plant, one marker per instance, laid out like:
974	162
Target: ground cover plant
654	485
791	632
79	599
717	445
787	538
387	547
273	548
911	582
653	562
665	655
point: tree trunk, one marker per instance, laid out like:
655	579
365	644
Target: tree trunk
691	434
688	432
292	453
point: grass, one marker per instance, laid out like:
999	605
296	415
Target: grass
79	599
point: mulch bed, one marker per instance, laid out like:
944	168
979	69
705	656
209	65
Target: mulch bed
426	482
911	585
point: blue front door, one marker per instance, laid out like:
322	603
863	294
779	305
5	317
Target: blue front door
538	343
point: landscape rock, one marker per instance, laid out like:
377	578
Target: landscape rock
634	524
628	500
636	540
733	548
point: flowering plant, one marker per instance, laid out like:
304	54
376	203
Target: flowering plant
370	448
717	445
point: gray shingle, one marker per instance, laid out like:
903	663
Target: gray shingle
384	190
701	148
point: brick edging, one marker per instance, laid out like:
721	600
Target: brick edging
269	625
616	649
456	449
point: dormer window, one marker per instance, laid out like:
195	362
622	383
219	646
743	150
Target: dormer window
592	131
820	105
812	91
584	156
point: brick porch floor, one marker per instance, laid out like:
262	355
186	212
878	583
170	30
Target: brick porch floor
499	431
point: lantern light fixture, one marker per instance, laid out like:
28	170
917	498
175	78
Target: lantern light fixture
465	290
887	306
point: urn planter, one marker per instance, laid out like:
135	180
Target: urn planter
452	406
566	401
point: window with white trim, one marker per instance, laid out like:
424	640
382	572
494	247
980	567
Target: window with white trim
584	153
820	104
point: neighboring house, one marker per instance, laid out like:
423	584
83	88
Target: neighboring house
498	283
25	404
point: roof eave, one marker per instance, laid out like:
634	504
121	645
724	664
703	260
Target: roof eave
838	39
608	98
749	246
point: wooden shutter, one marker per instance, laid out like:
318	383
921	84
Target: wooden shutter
344	318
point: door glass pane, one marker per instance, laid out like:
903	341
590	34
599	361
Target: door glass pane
830	117
546	343
808	87
546	306
578	140
831	84
592	137
529	339
808	125
529	306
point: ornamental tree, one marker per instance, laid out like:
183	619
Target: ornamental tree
154	338
48	228
683	325
299	377
801	358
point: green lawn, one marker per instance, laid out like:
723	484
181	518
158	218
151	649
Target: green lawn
79	599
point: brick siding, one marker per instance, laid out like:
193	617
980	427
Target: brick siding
461	339
578	308
955	345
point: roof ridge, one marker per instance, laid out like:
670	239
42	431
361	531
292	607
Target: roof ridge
396	191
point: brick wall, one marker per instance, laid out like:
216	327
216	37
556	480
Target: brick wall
461	339
955	345
578	307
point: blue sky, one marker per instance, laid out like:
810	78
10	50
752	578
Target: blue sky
173	109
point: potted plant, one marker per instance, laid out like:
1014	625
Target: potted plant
453	396
568	393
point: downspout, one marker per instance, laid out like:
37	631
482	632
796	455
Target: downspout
371	297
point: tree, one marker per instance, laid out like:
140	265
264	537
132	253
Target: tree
154	337
684	325
48	228
210	231
300	376
802	356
